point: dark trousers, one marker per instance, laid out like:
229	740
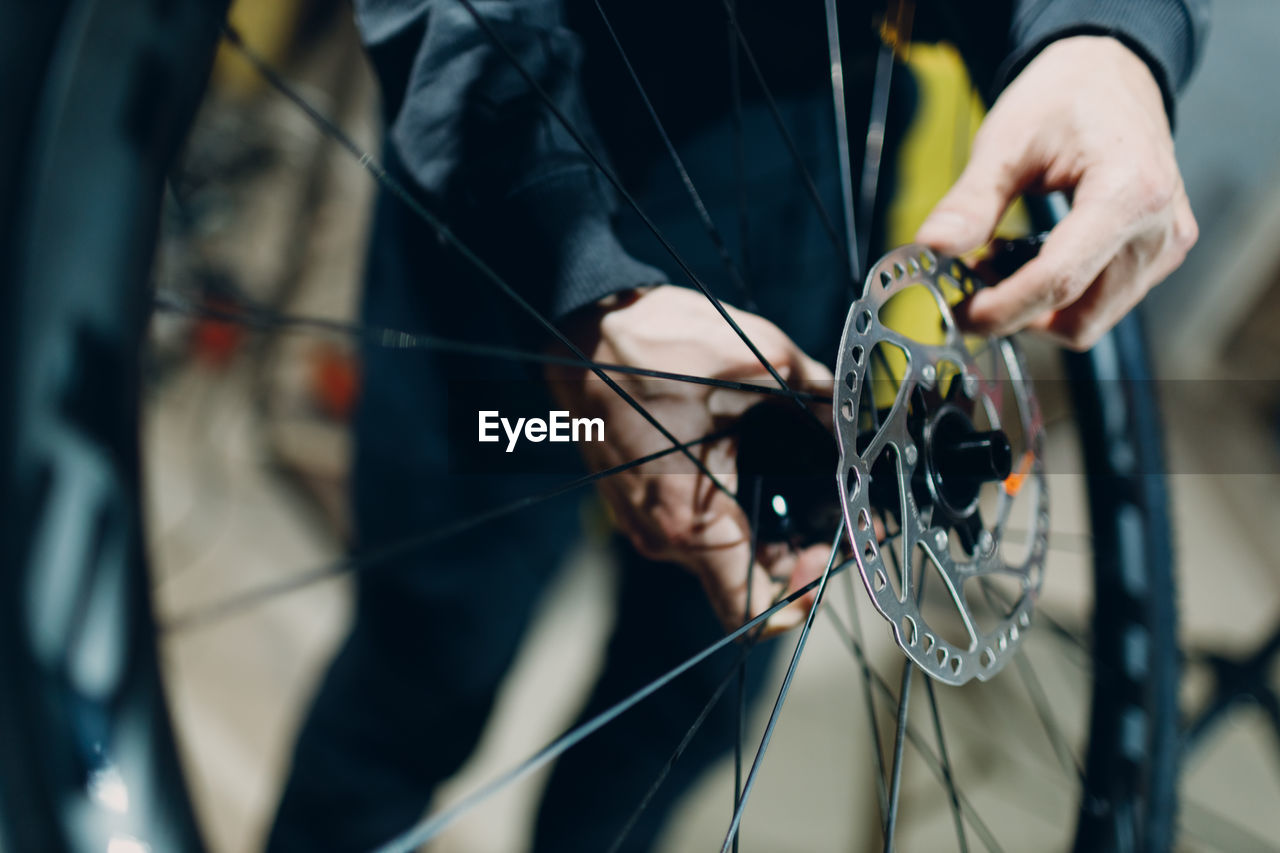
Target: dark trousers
436	628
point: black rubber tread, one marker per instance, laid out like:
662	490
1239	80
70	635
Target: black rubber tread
1131	766
97	96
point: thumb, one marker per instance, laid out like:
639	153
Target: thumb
967	215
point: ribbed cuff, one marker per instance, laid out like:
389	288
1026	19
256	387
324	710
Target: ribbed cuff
564	244
1161	32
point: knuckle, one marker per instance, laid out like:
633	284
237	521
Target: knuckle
1186	233
1082	339
675	526
1080	333
1060	287
647	543
1154	187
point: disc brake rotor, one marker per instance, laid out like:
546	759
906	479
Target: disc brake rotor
936	458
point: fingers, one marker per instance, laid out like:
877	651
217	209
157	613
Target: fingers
729	572
1094	269
967	216
1075	254
803	568
1120	287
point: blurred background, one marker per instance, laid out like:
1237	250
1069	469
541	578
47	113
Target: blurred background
247	452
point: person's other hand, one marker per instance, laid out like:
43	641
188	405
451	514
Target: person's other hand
667	508
1085	116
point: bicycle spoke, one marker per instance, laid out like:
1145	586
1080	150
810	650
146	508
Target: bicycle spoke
877	126
680	748
609	175
1056	626
363	562
1041	703
908	668
736	671
782	693
914	738
703	215
899	741
433	825
805	177
836	60
946	766
1050	723
393	186
741	709
882	793
262	319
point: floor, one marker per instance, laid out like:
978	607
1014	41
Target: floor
224	520
245	481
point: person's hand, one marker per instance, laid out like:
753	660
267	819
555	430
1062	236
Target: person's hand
668	508
1085	116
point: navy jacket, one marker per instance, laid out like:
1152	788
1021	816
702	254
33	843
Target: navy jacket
486	152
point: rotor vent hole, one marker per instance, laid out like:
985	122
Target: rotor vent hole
988	658
909	631
899	270
885	278
950	381
849	380
864	521
878	580
852	483
952	292
955	665
857	354
914	312
927	262
846	410
863	321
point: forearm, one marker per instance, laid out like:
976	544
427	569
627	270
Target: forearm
478	141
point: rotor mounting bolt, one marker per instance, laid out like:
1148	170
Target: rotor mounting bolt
927	375
911	454
969	385
986	542
940	539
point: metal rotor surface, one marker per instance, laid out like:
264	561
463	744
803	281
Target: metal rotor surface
920	528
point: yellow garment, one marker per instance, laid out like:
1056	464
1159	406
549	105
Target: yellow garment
932	154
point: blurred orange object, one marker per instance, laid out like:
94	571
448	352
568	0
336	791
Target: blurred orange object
335	380
214	342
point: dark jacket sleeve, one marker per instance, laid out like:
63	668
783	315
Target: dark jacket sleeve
486	151
1167	34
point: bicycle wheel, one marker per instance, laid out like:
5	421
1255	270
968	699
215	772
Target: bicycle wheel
99	96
